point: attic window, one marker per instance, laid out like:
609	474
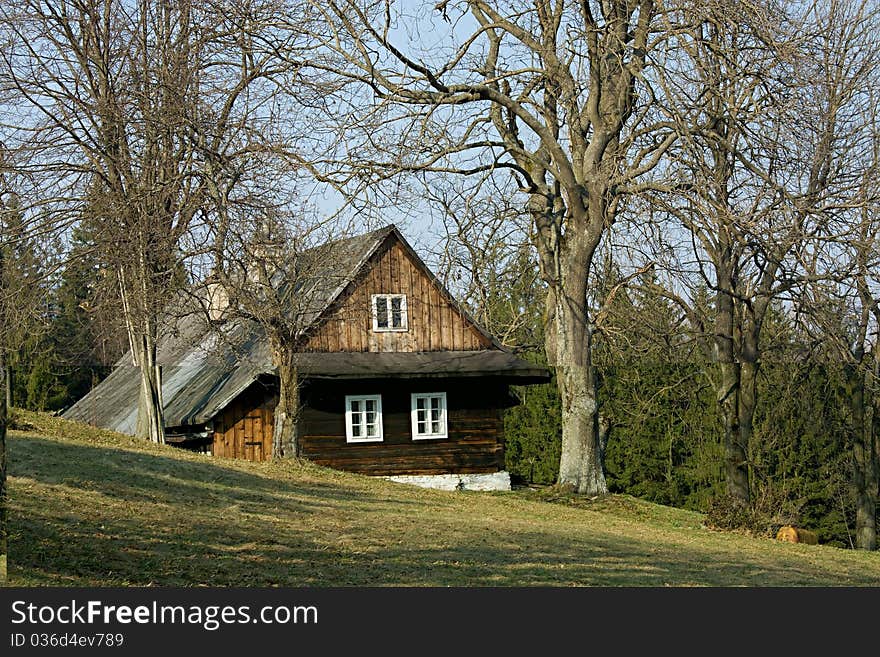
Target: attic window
363	418
389	312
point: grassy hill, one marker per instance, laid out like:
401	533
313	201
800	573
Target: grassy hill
95	508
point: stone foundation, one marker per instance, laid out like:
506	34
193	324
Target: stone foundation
491	481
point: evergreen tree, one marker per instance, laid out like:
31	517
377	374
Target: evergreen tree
87	336
23	274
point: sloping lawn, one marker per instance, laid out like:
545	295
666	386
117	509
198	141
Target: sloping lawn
94	508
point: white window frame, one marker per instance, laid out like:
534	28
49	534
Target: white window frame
414	418
349	433
404	316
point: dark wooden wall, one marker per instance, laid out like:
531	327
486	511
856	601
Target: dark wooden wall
244	428
435	324
475	443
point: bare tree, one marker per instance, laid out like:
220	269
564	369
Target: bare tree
843	273
129	107
273	270
727	101
861	358
841	309
485	258
549	93
755	180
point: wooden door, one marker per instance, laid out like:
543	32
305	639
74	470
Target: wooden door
243	429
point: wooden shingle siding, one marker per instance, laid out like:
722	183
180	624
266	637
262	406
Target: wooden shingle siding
243	429
434	324
474	423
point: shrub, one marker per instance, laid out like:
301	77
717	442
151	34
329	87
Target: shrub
767	512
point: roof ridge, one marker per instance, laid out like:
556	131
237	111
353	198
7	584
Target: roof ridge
384	231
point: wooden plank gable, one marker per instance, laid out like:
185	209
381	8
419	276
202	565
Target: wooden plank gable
434	323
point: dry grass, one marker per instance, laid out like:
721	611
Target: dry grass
93	508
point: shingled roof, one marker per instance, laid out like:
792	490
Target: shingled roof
204	366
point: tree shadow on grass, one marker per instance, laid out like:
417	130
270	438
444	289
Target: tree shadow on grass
126	552
543	560
140	476
88	516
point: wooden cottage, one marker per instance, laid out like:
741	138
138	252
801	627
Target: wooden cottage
396	378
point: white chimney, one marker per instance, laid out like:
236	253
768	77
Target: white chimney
217	298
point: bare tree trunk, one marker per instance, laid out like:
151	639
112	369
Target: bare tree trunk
4	517
748	404
150	417
285	442
748	384
864	460
735	461
8	385
580	462
728	393
875	420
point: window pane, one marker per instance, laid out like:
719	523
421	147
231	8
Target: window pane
364	418
396	315
382	312
430	415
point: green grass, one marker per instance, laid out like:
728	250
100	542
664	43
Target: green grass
94	508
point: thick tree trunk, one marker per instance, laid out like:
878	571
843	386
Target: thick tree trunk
285	442
565	265
8	386
580	462
748	403
735	456
864	461
150	417
728	391
875	419
4	516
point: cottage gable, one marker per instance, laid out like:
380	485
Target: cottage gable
414	312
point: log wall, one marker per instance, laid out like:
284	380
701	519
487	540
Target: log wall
474	422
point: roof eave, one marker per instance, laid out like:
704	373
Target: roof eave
524	377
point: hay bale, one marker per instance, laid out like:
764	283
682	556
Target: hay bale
787	534
791	534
